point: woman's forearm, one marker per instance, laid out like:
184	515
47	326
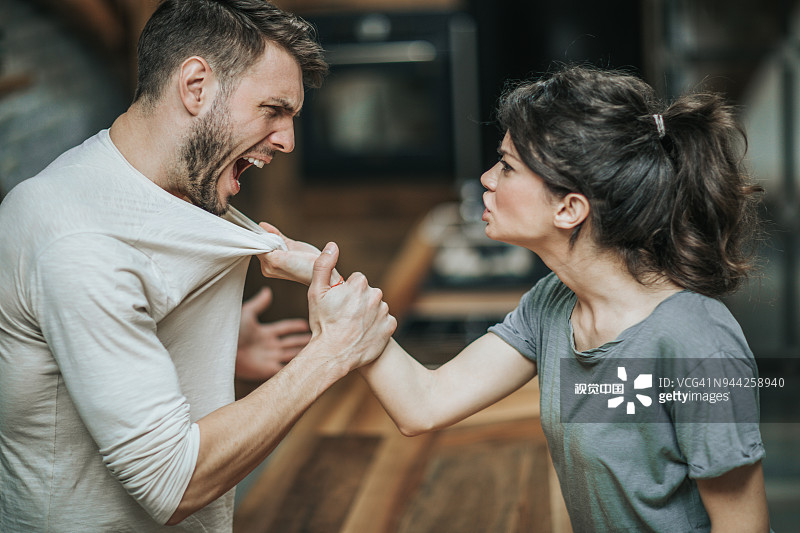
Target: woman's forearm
420	399
405	388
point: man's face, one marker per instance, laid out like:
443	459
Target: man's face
240	129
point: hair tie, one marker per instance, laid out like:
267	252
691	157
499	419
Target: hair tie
660	126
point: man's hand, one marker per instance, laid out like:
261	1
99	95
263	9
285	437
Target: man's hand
350	320
294	264
265	348
350	327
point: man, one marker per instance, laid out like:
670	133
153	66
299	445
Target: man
264	349
121	281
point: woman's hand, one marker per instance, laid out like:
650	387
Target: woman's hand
294	264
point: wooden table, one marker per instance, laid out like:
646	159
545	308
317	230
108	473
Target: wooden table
346	468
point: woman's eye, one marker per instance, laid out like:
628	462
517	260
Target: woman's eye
504	166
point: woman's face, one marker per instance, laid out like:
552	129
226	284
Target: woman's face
519	207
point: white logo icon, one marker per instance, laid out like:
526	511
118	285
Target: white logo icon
642	381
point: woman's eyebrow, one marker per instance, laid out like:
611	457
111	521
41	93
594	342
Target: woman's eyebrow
506	154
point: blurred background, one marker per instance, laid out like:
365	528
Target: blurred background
391	148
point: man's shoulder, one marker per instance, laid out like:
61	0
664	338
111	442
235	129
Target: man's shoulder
56	182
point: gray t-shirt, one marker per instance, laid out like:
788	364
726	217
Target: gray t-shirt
637	474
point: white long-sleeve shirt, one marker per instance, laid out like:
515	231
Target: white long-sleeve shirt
119	316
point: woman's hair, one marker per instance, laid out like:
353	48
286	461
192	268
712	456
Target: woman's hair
229	34
673	203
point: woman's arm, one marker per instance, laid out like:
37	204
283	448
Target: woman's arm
736	501
419	399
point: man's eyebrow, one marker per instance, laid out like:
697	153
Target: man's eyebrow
285	105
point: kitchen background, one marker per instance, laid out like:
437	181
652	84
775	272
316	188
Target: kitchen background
390	150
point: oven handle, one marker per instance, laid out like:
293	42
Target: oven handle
384	52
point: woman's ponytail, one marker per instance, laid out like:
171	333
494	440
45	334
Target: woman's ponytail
713	214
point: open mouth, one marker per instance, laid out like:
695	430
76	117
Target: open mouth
242	164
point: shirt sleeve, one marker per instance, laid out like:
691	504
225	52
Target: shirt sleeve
95	299
515	329
521	326
716	423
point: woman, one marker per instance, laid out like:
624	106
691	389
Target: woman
642	214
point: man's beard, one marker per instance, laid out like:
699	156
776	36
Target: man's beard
210	143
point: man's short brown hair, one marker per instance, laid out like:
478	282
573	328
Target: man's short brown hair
229	34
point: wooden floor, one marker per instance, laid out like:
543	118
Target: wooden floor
345	468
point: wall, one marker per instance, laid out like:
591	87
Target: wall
72	94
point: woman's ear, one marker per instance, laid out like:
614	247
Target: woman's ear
195	84
571	211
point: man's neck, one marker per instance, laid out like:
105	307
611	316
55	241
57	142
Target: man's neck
146	143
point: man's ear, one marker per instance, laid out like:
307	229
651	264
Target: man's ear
571	211
196	84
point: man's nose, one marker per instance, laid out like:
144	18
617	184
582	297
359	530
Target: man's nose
283	138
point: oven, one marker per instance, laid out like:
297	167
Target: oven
401	99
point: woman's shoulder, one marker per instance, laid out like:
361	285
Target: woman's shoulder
547	293
691	307
699	324
550	285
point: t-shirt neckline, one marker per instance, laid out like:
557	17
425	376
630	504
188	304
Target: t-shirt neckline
594	354
231	217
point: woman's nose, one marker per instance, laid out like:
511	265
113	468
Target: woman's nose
488	180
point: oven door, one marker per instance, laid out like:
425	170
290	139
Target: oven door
385	109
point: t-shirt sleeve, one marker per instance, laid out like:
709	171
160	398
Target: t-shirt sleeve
717	426
95	298
515	329
521	326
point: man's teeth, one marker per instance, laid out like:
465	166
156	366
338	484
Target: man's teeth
257	162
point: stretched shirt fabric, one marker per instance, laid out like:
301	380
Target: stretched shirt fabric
119	318
636	476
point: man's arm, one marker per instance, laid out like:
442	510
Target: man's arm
736	501
419	399
350	326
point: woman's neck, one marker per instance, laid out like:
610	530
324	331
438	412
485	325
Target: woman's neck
610	299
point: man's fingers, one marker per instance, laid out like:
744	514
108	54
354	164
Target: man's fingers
270	228
298	339
323	267
287	354
260	302
289	326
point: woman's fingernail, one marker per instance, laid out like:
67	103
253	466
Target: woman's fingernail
328	248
